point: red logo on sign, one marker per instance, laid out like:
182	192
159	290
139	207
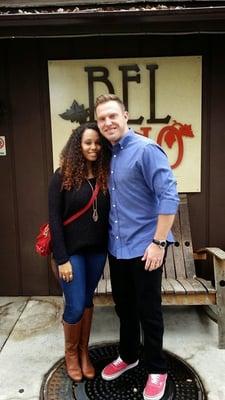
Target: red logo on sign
174	133
171	134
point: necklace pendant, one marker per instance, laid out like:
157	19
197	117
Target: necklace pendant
95	215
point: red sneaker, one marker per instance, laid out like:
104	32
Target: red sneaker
116	368
155	387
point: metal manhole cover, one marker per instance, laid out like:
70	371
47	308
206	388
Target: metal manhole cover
183	382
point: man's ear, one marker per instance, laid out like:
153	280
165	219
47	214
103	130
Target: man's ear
126	115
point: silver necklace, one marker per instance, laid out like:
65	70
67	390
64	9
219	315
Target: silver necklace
94	205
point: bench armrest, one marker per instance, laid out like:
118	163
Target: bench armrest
214	251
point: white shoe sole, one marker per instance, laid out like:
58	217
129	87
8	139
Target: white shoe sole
117	374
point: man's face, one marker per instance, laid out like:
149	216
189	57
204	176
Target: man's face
112	120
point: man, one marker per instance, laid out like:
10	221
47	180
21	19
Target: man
144	202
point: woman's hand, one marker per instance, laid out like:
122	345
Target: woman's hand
66	272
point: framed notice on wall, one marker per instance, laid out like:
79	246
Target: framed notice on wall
163	97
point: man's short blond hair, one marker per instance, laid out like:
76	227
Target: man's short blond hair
104	98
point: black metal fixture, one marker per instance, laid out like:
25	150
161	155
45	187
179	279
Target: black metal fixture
183	382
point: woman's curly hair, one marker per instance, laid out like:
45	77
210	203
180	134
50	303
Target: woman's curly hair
73	165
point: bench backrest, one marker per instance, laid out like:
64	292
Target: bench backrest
180	262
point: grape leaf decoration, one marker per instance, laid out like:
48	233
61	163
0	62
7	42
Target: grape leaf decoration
76	113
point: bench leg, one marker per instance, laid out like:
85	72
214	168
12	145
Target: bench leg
219	269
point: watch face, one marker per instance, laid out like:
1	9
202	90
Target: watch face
160	243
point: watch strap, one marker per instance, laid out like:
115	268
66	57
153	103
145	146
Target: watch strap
160	243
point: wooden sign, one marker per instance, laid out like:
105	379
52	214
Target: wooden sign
162	95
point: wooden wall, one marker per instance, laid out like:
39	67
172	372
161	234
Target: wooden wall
25	171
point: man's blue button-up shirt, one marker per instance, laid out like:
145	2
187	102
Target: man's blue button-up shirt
141	186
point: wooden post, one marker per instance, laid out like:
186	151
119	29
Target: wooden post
219	270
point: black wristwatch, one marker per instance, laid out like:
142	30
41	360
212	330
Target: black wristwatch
160	243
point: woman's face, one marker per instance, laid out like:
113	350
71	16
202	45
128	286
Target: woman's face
90	144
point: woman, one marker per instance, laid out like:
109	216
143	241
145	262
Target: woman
79	248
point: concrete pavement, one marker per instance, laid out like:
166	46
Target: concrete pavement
31	341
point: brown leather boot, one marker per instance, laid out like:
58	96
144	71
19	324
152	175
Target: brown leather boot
72	337
86	365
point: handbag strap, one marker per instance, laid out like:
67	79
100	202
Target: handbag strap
85	208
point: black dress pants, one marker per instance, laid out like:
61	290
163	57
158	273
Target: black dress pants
137	296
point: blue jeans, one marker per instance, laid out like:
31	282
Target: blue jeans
87	270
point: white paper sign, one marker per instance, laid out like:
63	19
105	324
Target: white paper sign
2	146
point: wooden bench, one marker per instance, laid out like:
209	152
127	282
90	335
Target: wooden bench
180	283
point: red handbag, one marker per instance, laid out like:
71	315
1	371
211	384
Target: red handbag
43	245
43	241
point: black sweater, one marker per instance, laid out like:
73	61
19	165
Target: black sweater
83	234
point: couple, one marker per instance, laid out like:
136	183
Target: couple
135	172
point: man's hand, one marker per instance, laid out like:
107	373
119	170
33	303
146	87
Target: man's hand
153	257
66	272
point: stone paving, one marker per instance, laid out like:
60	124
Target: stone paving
31	341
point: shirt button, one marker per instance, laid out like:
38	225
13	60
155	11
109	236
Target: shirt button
113	188
112	172
121	147
114	205
117	237
114	156
115	222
